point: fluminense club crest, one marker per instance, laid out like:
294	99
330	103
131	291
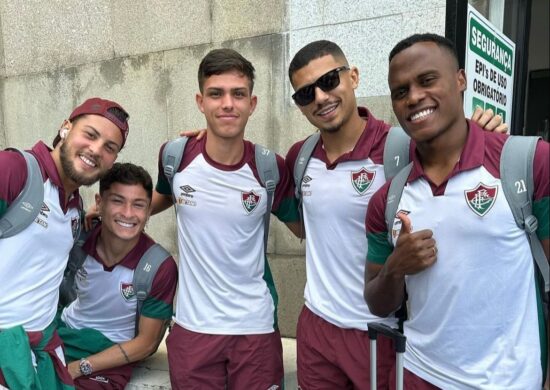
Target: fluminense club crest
127	290
250	200
481	199
362	180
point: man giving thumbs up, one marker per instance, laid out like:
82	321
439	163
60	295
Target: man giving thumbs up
475	320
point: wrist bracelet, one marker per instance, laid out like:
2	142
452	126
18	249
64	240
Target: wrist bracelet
124	353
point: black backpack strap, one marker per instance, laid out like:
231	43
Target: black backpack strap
268	171
145	273
396	152
26	207
516	170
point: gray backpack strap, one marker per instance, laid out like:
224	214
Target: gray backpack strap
301	163
172	155
394	197
268	171
516	170
145	273
396	152
77	256
25	208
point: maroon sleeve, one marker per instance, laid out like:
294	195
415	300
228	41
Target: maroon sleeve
285	188
375	221
379	247
541	170
12	178
292	155
165	282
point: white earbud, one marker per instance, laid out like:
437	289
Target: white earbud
63	133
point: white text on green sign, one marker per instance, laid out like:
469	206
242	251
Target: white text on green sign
484	43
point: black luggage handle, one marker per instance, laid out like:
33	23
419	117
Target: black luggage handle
400	341
376	327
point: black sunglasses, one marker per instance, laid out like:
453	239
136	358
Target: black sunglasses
326	82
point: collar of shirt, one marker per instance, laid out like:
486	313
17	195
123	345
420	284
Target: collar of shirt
42	153
131	259
363	146
472	155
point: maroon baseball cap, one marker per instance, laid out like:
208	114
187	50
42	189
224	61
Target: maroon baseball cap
107	109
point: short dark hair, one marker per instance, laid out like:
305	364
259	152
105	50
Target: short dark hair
439	40
128	174
312	51
219	61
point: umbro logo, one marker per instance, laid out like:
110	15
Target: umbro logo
187	189
186	197
305	185
44	209
27	206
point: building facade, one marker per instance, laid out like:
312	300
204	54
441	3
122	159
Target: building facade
145	54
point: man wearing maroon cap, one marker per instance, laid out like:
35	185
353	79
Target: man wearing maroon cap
34	259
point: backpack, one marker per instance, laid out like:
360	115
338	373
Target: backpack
395	157
266	164
142	281
516	170
25	208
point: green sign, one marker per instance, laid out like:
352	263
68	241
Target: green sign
489	64
490	47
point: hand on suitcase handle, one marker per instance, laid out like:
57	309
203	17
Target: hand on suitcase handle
400	339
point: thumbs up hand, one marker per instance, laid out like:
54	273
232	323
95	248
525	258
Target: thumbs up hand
406	226
414	251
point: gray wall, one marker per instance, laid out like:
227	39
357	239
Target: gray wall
144	54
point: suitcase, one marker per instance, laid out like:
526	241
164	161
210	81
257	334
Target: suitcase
400	341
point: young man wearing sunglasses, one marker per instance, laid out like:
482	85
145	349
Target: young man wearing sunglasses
343	173
34	259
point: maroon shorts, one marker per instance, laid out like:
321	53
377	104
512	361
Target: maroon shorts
412	382
111	379
330	357
206	361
